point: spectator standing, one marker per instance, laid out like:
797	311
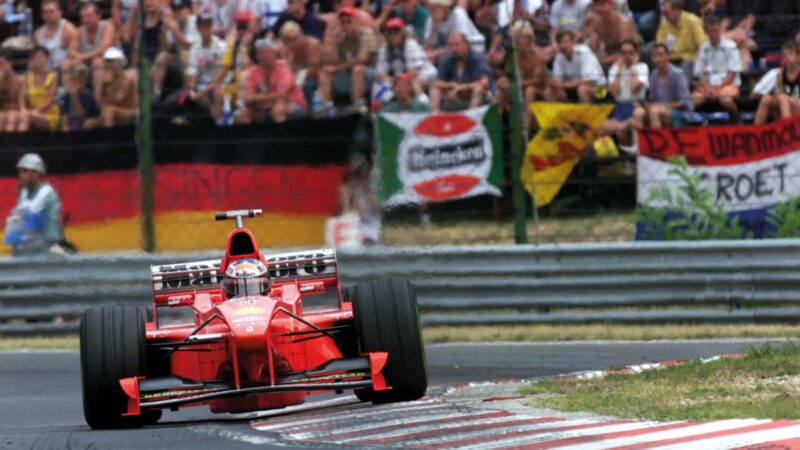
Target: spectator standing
537	12
465	79
79	108
605	29
154	37
669	95
352	66
682	33
404	98
447	18
333	29
567	15
717	68
400	54
55	34
271	92
234	62
532	69
34	226
296	11
416	17
10	88
90	41
576	70
118	99
37	103
204	59
786	102
178	34
303	53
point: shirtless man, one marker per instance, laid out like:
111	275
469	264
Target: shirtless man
605	28
303	53
91	40
10	87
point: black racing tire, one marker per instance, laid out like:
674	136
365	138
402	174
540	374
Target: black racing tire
386	320
112	347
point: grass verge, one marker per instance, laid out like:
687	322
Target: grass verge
766	384
601	227
605	332
520	333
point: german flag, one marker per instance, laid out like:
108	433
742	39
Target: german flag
292	172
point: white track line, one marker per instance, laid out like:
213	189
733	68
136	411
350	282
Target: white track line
443	440
702	428
335	416
522	440
738	440
366	427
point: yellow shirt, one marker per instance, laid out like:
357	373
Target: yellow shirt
37	96
684	39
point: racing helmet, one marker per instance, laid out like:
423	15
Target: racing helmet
245	277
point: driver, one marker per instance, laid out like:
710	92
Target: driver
246	277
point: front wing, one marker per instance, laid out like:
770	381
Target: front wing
170	392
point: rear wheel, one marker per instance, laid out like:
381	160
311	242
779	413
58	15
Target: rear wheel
112	347
386	320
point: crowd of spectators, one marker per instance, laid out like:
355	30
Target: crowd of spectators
255	61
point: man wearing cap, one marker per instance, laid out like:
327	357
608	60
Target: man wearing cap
413	14
204	59
271	90
352	66
399	54
34	227
118	99
309	22
447	18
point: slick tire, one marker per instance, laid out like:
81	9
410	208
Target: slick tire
386	320
112	347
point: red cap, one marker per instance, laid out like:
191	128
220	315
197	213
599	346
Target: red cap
347	11
405	76
395	23
243	15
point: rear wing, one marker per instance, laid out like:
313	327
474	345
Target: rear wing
170	279
304	265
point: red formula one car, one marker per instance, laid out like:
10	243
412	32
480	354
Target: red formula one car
250	332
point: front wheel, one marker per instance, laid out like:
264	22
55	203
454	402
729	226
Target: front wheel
112	347
386	320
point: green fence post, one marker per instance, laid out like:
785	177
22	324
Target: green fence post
144	143
517	143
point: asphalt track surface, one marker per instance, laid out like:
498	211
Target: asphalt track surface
40	399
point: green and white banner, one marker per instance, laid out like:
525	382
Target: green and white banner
439	157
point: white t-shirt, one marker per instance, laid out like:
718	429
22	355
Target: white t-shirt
203	62
639	70
459	20
414	56
767	84
583	66
564	16
716	62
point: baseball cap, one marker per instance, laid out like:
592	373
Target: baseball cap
113	53
31	161
205	19
405	76
177	4
348	11
395	23
243	15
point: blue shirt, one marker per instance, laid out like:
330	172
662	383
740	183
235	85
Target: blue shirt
475	67
676	89
90	109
